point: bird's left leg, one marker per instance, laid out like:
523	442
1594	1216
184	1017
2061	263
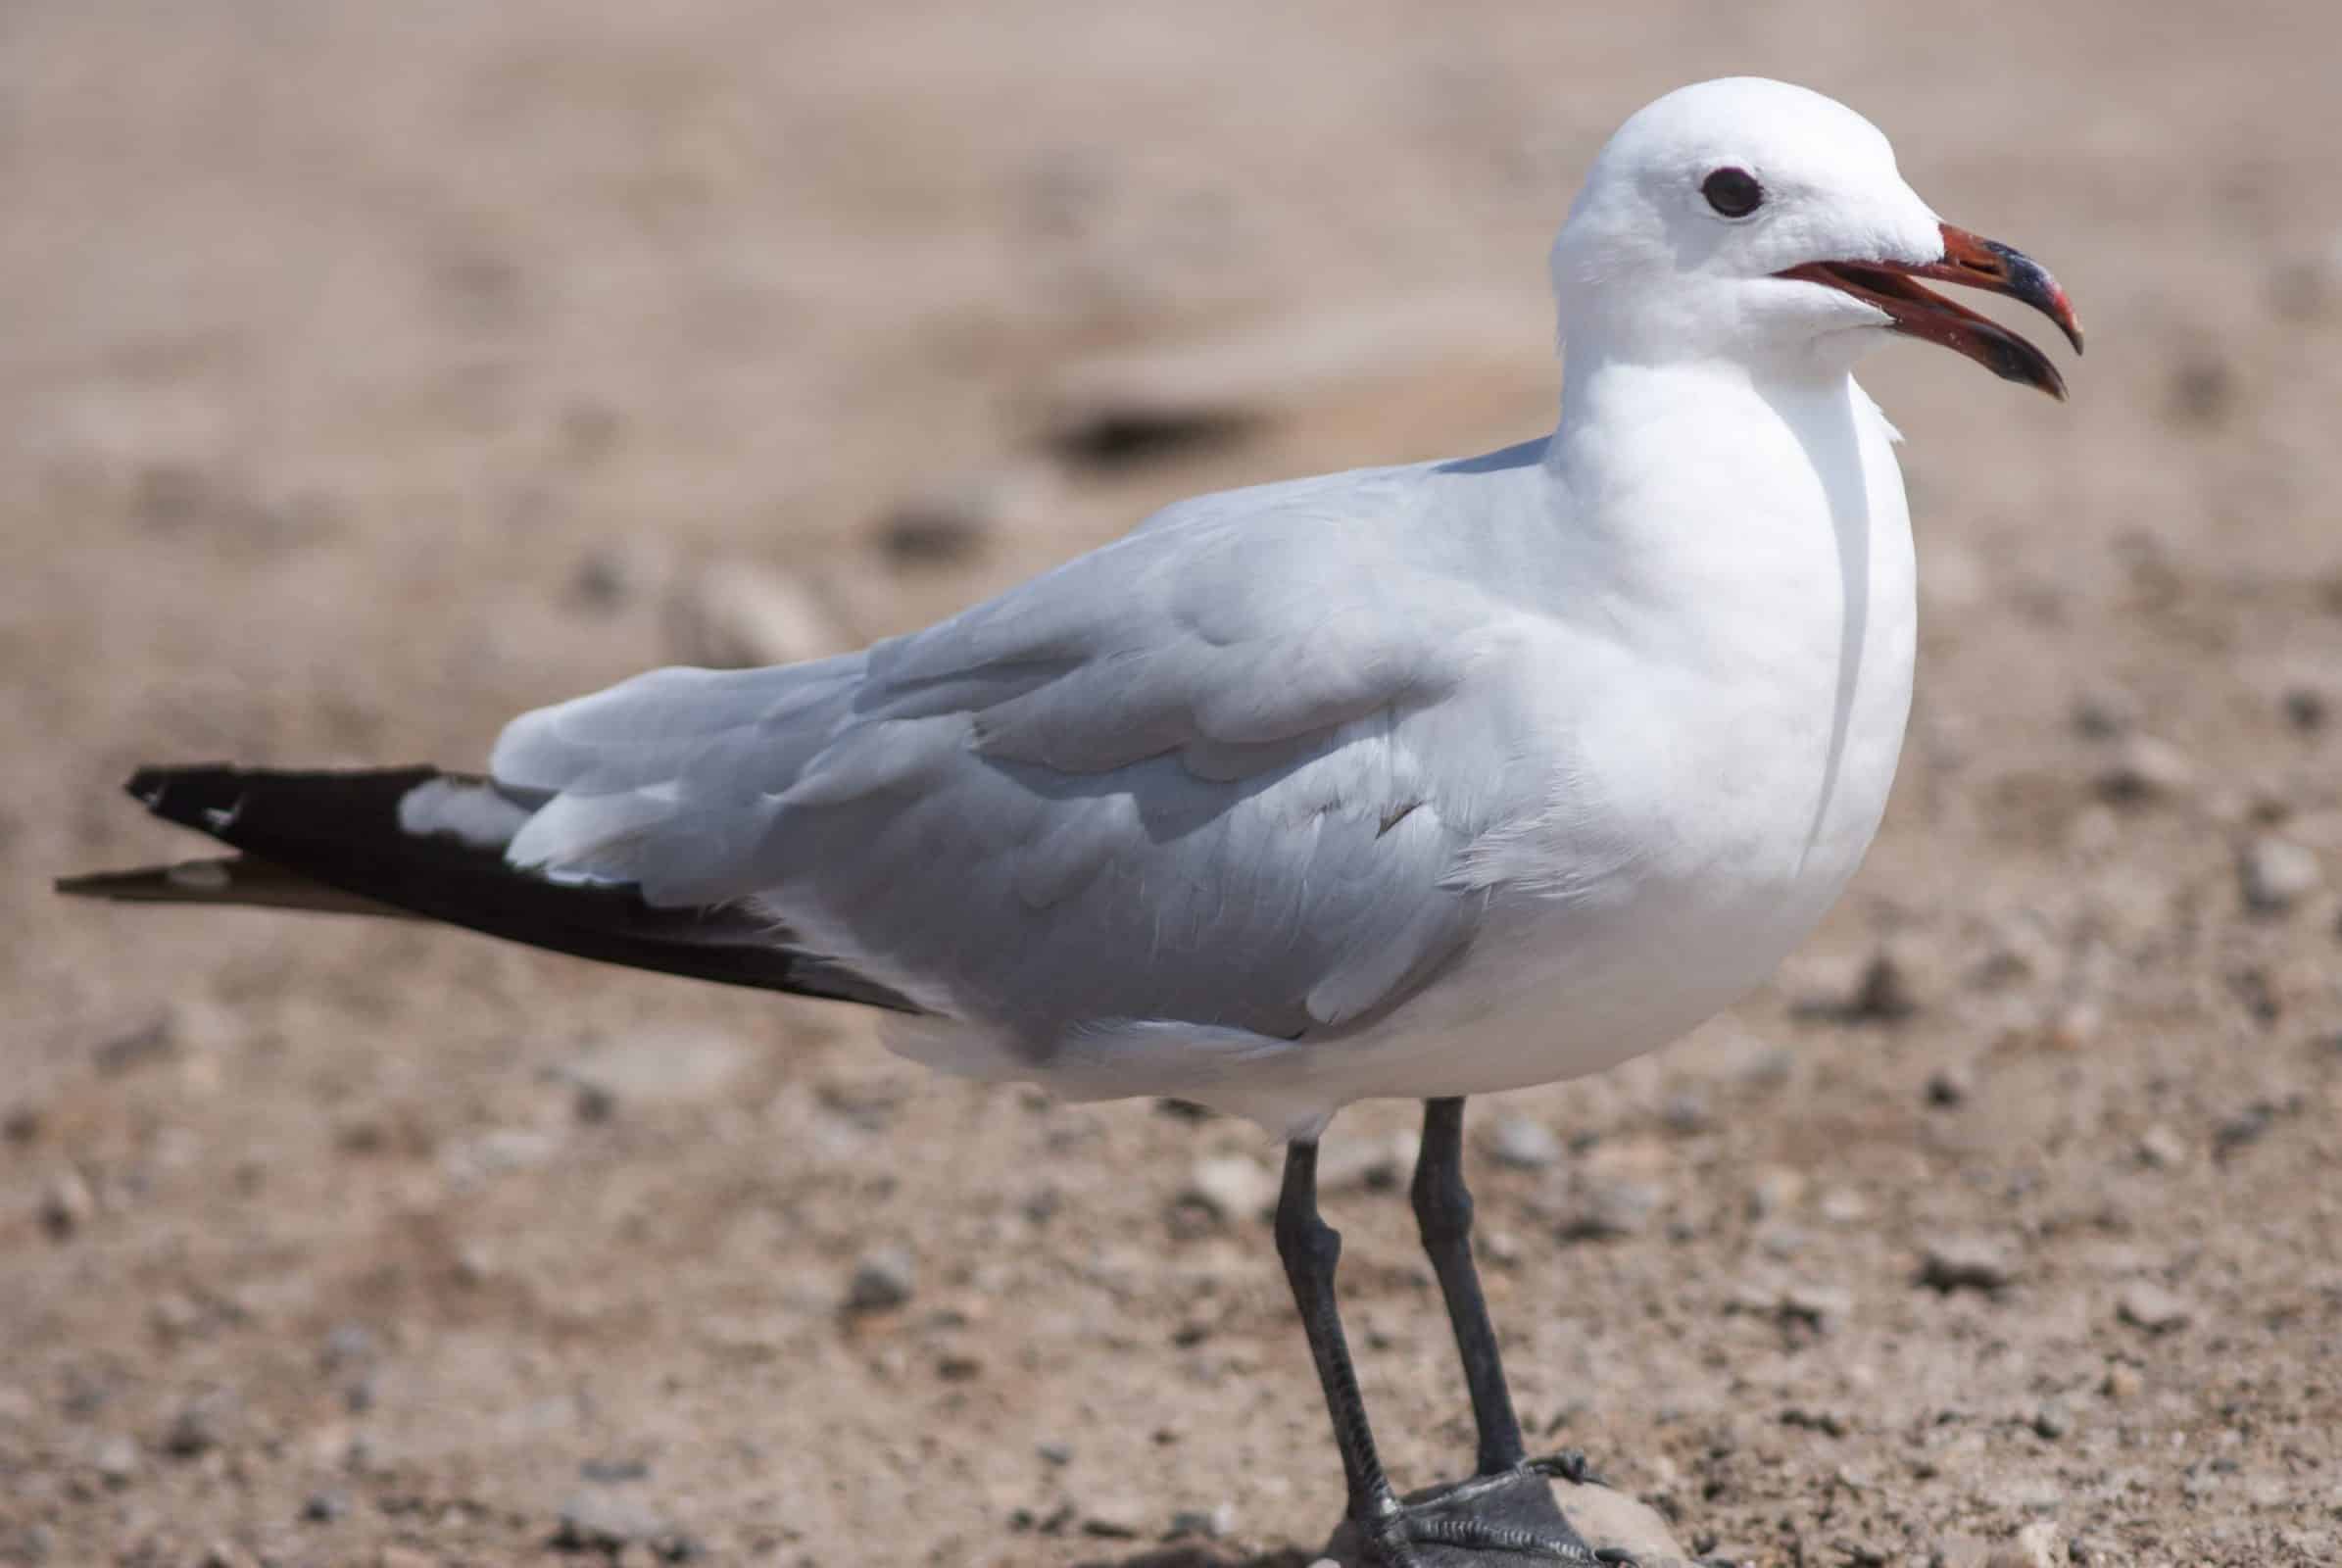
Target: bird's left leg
1443	1216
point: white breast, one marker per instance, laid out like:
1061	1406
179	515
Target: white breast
1726	710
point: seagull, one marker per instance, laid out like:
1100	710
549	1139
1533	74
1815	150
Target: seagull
1421	782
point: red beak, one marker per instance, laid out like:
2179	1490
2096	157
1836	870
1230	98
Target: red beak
1922	313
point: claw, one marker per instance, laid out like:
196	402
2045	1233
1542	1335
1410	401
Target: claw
1571	1465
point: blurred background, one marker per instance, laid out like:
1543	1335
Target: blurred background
374	372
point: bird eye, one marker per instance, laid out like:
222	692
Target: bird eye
1733	192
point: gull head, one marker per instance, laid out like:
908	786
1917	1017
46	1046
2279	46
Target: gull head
1755	221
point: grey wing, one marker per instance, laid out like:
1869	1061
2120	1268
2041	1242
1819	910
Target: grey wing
1192	778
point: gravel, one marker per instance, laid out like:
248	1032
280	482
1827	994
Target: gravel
1966	1263
884	1278
1230	1187
2277	874
2148	1305
1524	1142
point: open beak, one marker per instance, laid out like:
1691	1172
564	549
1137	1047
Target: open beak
1922	313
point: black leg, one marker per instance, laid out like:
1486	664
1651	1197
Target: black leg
1310	1248
1443	1211
1508	1512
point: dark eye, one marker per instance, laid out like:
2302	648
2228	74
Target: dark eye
1733	192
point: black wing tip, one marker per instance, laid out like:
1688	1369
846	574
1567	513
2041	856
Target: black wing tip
155	786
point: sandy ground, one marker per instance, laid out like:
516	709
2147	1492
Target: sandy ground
375	371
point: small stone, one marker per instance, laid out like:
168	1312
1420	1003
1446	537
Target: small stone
2306	707
116	1460
1966	1263
2148	1305
601	1521
1230	1187
1888	991
2162	1148
884	1279
1685	1113
1057	1453
1375	1164
2103	715
1776	1189
2122	1381
200	1425
1524	1144
2244	1129
2036	1546
1608	1210
2052	1422
324	1507
1214	1524
1843	1205
2148	770
2075	1025
1822	1305
2277	874
67	1204
347	1346
737	614
1114	1518
1949	1086
953	522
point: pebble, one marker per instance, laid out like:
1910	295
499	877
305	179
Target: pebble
67	1204
1949	1086
2306	707
2148	769
735	614
2103	715
1230	1186
600	1521
2122	1381
1525	1143
884	1278
1687	1113
953	522
324	1507
200	1425
2162	1148
2036	1546
1822	1305
1776	1189
116	1460
1843	1205
1377	1165
1966	1263
1114	1518
1889	989
1607	1209
2051	1421
1217	1523
2277	874
2148	1305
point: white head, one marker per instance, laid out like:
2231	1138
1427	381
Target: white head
1753	221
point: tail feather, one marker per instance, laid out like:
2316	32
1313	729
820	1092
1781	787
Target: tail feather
334	841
